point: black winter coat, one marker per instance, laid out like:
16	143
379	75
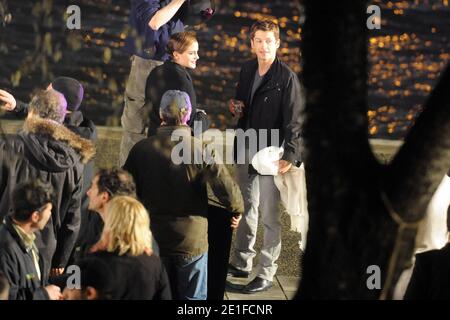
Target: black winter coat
54	154
16	262
168	76
86	129
277	104
175	194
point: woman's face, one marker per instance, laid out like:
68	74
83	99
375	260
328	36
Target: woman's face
189	57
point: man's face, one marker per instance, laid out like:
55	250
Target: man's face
97	200
265	45
44	215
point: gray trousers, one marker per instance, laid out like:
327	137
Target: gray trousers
259	192
134	117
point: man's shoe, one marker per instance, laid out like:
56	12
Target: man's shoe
257	285
235	272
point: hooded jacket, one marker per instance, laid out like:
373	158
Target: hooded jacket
85	128
49	151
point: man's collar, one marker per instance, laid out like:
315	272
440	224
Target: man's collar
27	238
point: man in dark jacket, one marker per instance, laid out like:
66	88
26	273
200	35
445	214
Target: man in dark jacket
271	96
19	256
171	182
106	184
47	150
74	120
152	22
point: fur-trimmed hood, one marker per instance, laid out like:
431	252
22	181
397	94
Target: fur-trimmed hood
53	144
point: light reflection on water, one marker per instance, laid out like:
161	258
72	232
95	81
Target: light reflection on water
406	56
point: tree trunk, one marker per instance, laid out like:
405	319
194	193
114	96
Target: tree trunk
354	223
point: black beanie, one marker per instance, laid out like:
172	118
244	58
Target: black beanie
71	89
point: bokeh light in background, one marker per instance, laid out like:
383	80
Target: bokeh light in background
406	55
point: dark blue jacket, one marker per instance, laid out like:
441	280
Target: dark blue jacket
142	40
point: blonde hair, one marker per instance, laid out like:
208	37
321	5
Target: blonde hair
127	227
180	42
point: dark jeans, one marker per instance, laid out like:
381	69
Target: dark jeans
219	241
188	277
